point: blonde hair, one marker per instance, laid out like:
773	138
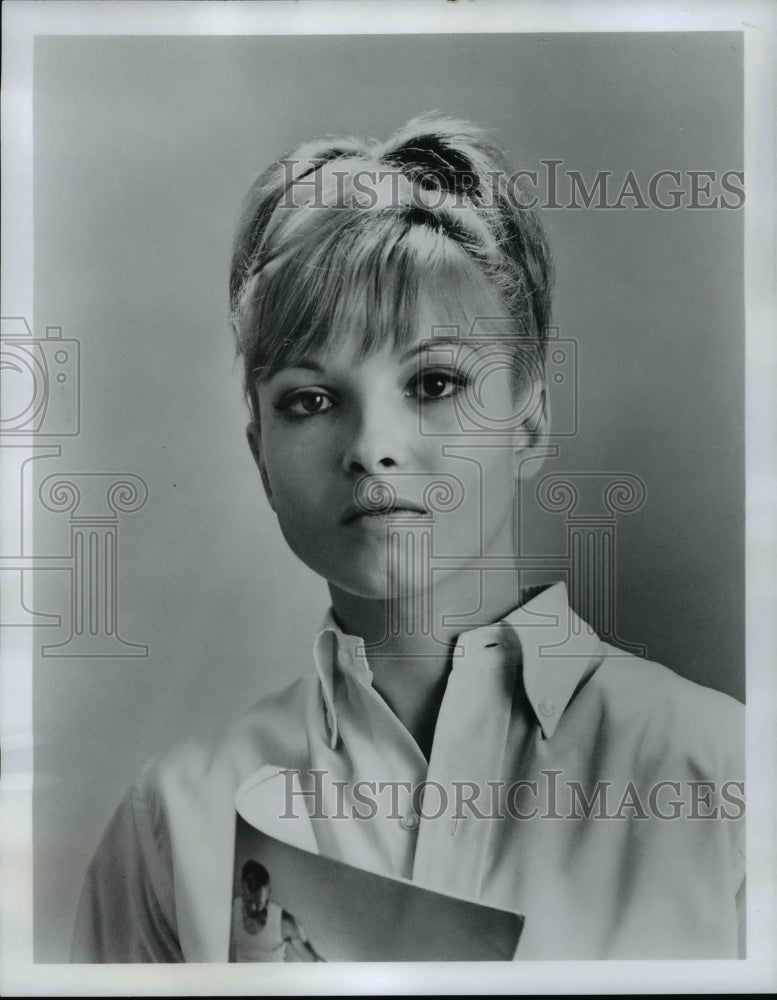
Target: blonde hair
340	235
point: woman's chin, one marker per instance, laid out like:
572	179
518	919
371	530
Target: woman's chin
374	585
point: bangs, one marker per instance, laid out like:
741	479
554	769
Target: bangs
361	278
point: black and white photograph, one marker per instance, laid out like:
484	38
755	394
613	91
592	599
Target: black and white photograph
388	473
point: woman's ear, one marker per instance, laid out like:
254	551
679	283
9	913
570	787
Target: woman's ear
254	435
531	448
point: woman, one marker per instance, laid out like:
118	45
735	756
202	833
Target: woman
390	303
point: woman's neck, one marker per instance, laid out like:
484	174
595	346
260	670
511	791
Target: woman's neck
409	642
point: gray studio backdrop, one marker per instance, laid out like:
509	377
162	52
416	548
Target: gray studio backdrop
144	148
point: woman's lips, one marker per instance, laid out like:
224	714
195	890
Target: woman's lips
402	508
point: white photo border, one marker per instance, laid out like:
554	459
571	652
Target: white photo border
22	21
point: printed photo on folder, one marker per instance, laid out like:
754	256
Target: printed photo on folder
291	904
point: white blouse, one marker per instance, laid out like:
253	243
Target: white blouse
598	794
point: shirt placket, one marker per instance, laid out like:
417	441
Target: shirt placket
381	751
467	755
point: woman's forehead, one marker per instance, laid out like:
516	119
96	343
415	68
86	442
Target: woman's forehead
470	312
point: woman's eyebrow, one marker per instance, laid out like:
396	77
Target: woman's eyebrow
313	366
432	342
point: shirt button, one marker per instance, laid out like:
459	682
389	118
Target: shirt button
547	708
409	821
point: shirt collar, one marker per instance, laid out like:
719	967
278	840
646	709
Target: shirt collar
557	650
334	649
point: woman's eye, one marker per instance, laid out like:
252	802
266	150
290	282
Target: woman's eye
305	404
437	385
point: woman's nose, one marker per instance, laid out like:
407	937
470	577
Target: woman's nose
376	444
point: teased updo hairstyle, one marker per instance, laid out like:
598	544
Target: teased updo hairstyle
340	235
